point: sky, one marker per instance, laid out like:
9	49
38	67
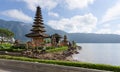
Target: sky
72	16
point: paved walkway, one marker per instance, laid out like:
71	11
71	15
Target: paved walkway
8	70
21	66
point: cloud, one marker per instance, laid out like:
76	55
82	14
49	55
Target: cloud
109	23
51	4
78	4
77	23
108	28
47	4
53	14
112	13
107	31
104	31
17	14
117	32
106	25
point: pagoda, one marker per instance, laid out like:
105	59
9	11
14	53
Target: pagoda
38	30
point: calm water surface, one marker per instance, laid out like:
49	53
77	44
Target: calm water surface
102	53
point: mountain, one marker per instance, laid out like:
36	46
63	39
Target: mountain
21	28
94	38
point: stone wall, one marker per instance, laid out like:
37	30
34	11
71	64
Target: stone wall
39	67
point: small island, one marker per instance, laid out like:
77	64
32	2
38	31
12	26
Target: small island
41	45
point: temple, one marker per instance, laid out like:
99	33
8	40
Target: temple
38	30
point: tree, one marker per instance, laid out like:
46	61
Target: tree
5	34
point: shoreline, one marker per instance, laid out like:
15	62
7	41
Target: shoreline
46	56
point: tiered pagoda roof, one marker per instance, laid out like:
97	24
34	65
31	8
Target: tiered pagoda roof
38	26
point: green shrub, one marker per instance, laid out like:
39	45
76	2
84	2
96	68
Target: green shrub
5	45
10	48
21	46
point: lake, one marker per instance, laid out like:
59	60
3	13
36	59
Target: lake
101	53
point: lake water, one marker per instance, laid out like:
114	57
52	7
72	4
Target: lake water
101	53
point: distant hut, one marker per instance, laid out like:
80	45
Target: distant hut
55	39
38	30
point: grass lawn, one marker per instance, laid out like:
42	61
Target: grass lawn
8	47
58	49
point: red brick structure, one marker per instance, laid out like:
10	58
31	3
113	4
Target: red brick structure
65	41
